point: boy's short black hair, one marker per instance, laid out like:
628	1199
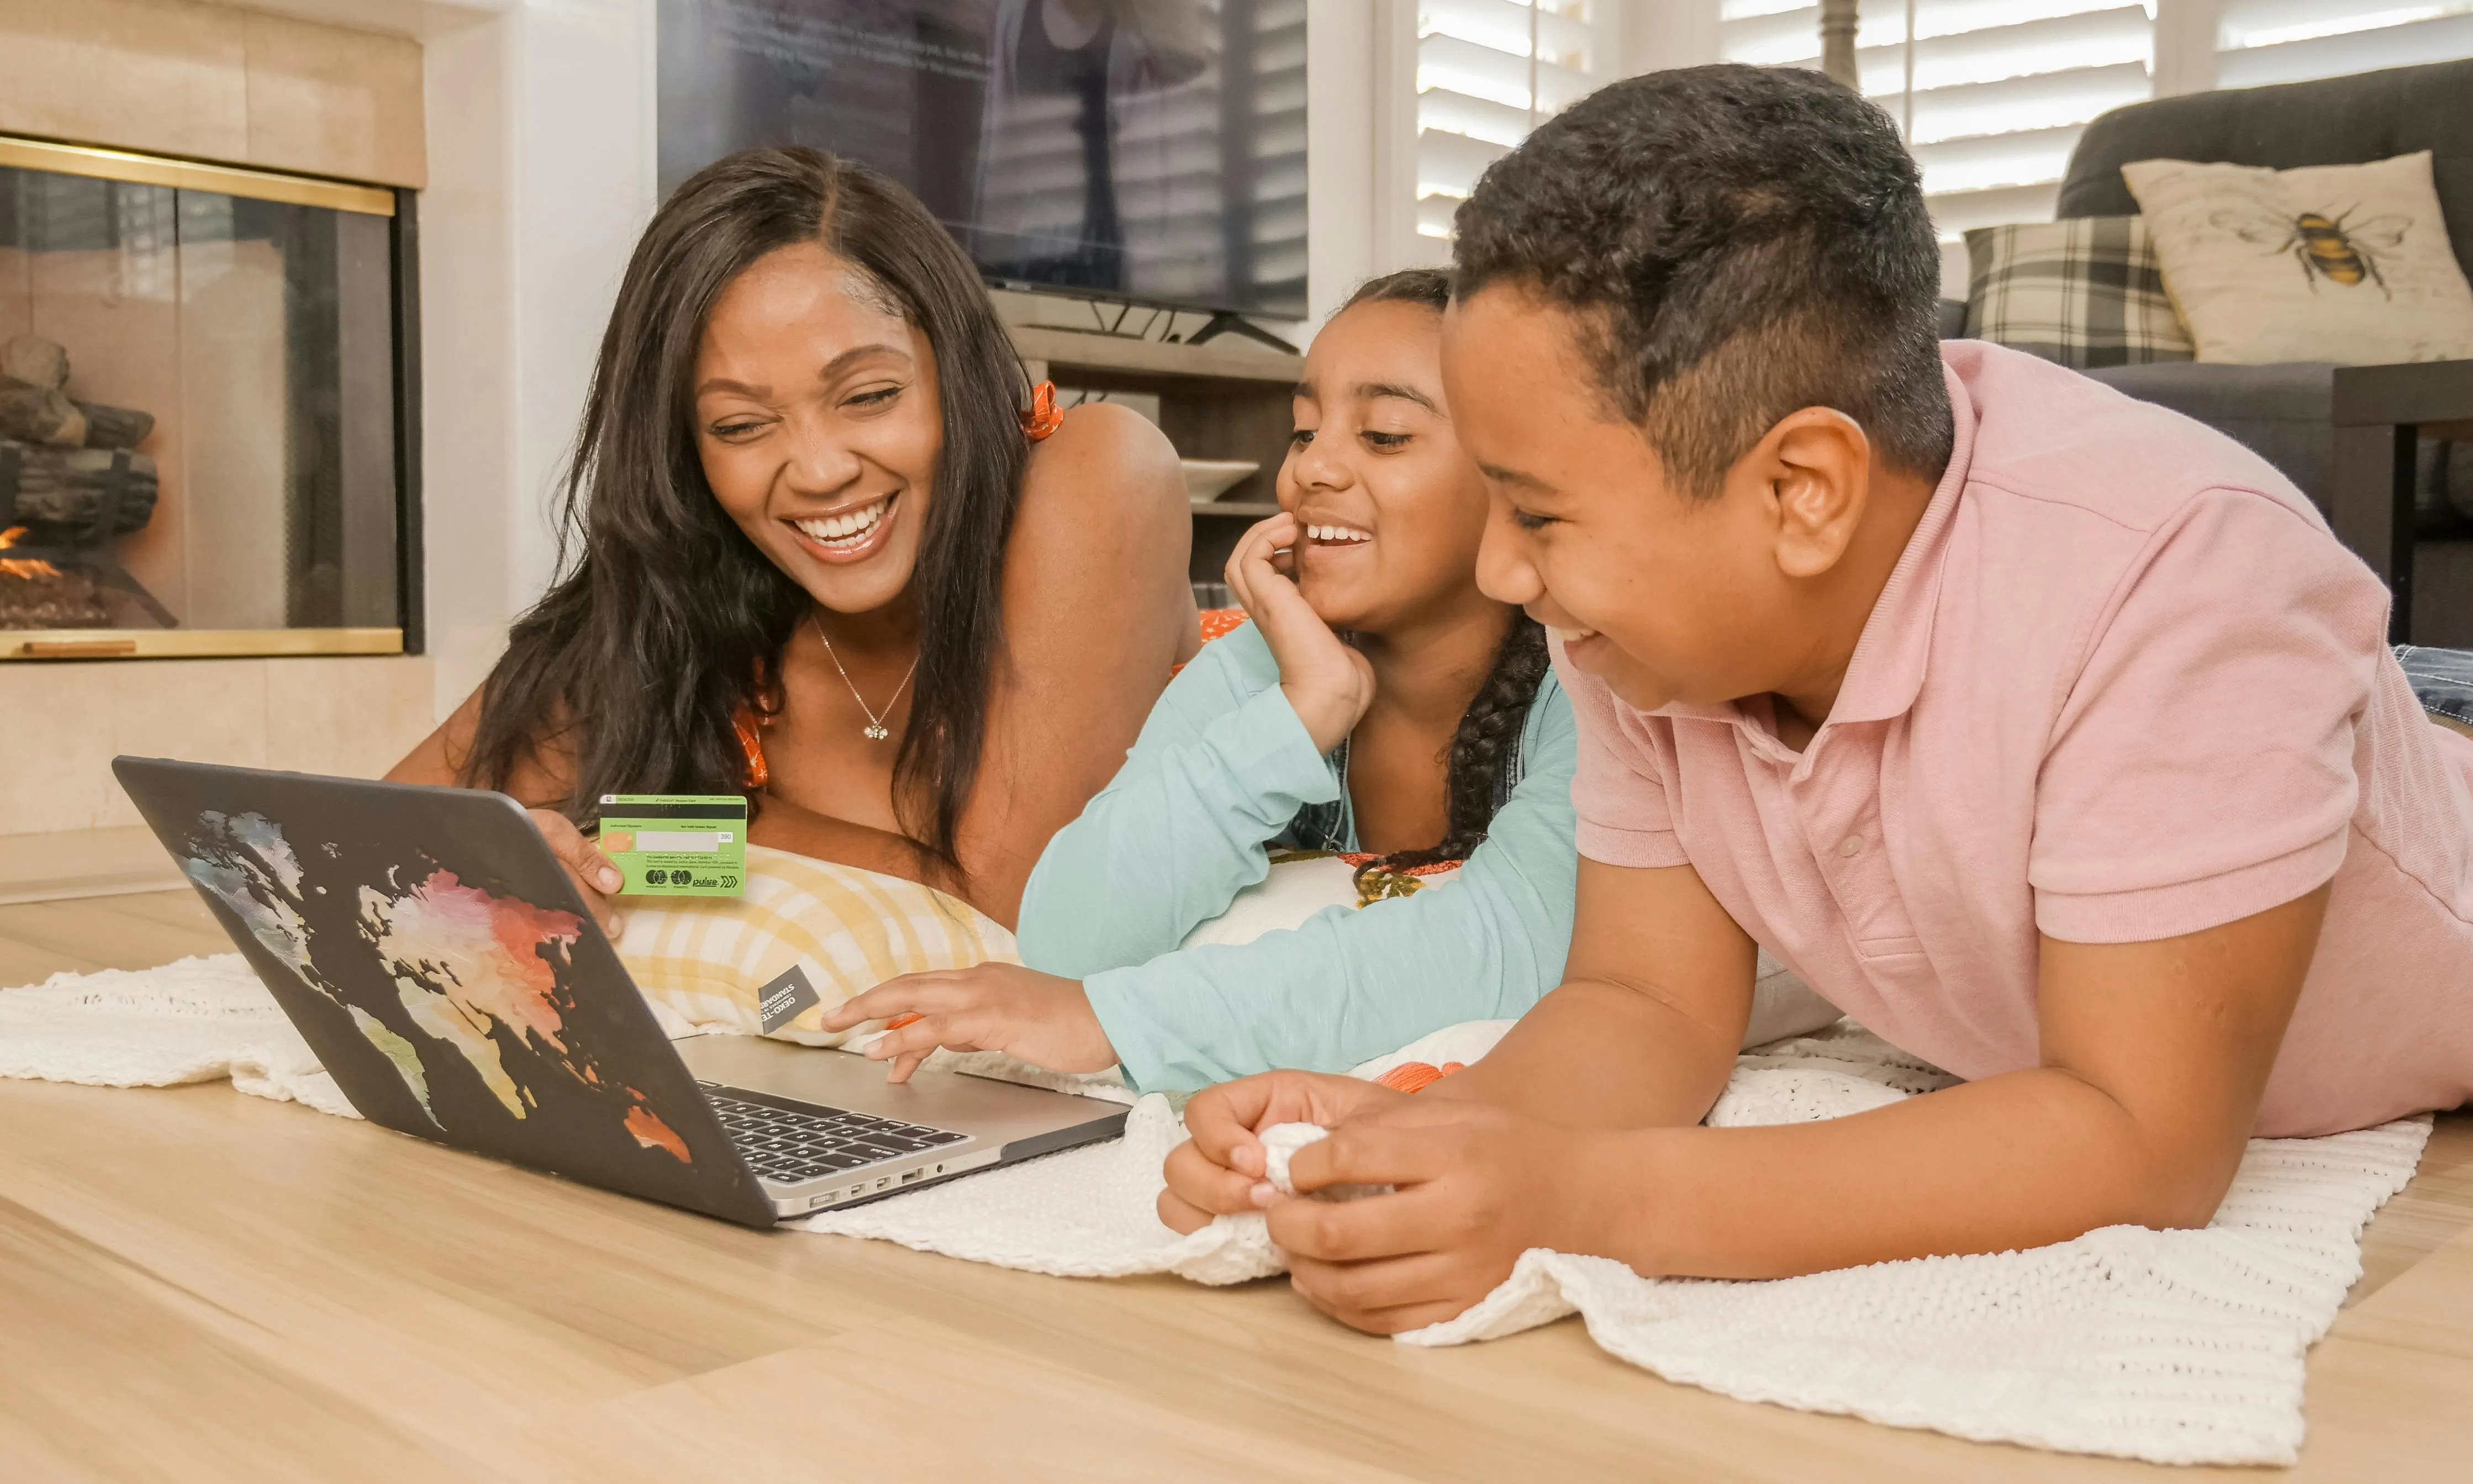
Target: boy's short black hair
1743	241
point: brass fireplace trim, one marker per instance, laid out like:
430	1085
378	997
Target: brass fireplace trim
47	644
82	159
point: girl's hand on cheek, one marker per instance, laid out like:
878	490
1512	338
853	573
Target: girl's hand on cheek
1327	683
1474	1187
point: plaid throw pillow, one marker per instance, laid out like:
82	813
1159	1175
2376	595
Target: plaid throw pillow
2084	293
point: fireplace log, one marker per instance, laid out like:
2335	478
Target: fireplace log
34	415
36	407
114	427
52	600
57	488
32	361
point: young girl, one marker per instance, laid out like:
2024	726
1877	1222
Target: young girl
822	556
1378	702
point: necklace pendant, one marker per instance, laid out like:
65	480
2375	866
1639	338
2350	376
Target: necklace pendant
875	731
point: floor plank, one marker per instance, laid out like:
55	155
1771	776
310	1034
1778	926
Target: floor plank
83	863
181	907
2427	1214
108	1327
136	931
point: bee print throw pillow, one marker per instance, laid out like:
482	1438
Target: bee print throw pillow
2342	263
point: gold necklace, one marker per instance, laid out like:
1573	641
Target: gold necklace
875	731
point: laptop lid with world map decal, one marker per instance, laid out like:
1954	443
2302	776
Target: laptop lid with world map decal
456	988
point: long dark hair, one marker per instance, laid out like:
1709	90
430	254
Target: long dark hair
664	616
1483	746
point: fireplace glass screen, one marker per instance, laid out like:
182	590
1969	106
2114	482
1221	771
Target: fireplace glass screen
198	414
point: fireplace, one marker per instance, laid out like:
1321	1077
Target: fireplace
206	436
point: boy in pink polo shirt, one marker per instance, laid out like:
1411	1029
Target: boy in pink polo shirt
2049	734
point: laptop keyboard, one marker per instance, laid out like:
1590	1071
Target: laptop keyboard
808	1143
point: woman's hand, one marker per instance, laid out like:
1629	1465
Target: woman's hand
1043	1020
596	877
1474	1187
1327	683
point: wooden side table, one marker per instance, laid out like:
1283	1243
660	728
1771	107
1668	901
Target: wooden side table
2381	413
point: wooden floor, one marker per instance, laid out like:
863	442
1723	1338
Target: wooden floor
83	863
199	1285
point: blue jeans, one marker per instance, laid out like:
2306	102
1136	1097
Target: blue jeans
2443	680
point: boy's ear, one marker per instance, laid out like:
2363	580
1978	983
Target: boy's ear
1816	463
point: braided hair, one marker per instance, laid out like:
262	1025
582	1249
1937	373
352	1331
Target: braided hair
1482	751
1482	747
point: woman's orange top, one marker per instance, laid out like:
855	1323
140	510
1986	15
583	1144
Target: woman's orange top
1042	418
1045	415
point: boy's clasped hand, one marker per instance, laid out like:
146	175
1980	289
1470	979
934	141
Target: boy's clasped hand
1474	1187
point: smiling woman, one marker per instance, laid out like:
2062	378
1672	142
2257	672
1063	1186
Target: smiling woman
816	550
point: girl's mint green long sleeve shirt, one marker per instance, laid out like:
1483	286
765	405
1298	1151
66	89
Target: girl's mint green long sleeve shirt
1220	768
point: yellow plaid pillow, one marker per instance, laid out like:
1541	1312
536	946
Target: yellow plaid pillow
849	929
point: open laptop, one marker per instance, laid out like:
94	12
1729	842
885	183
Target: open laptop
436	958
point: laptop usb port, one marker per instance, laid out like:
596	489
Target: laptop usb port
913	1175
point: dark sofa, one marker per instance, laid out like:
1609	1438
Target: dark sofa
2288	413
2285	411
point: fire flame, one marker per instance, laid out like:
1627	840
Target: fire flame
30	570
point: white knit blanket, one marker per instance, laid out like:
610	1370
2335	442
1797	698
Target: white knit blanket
2173	1346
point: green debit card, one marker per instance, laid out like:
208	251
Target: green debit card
677	845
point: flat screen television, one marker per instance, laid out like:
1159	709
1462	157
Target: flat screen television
1151	151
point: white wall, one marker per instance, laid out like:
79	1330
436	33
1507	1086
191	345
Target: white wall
1340	197
469	404
1662	34
540	175
2185	46
542	171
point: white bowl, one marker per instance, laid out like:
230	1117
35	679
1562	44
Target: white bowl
1208	479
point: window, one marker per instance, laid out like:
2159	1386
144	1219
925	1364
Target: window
1992	93
2289	40
1489	71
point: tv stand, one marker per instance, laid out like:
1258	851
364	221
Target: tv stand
1228	323
1224	401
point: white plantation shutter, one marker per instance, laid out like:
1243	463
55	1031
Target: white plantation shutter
1488	71
2293	40
2002	88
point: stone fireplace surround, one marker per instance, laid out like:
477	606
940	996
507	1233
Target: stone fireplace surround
233	86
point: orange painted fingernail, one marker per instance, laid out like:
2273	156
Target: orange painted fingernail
1410	1077
913	1017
